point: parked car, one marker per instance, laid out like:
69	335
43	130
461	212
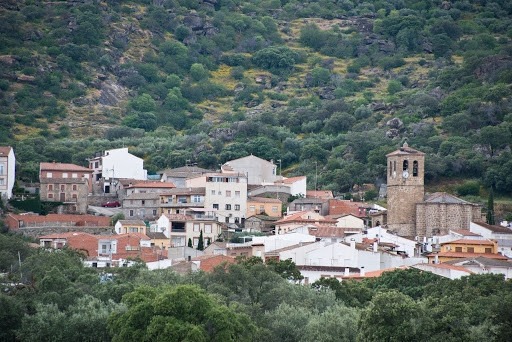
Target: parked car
111	204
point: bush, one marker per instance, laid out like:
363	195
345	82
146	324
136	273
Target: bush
469	188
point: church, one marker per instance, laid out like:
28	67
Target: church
410	213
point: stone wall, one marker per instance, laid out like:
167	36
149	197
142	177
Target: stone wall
402	200
439	218
36	232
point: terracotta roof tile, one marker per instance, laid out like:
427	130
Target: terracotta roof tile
5	150
263	200
495	228
465	232
468	255
337	207
323	194
152	185
470	242
63	167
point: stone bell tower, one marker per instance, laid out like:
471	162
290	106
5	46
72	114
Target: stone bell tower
405	188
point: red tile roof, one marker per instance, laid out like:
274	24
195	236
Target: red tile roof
178	217
209	262
324	232
495	228
63	167
374	274
323	194
447	267
152	185
465	232
470	242
292	180
338	207
263	200
468	255
5	150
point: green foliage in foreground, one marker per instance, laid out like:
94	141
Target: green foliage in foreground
60	300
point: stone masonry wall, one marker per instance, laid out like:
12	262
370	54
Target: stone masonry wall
36	232
439	218
402	201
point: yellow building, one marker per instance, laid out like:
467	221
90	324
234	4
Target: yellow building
130	226
260	205
466	248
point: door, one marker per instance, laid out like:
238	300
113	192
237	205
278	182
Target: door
63	197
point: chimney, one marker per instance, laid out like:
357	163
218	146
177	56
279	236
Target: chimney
353	244
362	272
375	246
347	272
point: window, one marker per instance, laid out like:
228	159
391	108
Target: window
154	212
74	187
262	209
96	165
131	213
62	187
228	193
74	196
227	219
196	227
488	250
74	175
208	228
237	220
237	207
215	206
406	165
228	206
213	192
133	230
390	168
219	193
471	250
415	168
50	187
182	199
143	202
196	242
394	165
274	208
2	181
196	199
458	249
64	175
252	208
50	195
1	169
237	194
49	175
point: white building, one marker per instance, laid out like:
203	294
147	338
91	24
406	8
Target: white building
274	242
117	164
502	235
258	171
180	228
406	246
225	195
7	171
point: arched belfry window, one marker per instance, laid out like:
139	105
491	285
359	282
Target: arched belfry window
406	165
390	168
415	168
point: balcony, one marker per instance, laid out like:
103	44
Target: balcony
205	217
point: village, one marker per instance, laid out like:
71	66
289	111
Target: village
191	219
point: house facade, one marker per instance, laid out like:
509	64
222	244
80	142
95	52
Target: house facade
7	171
69	184
116	164
263	205
226	196
179	175
180	228
141	206
130	226
182	200
502	235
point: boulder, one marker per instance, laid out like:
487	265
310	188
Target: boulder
112	93
395	123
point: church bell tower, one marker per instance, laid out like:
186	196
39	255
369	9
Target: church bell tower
405	188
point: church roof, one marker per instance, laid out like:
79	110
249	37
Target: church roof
443	197
405	150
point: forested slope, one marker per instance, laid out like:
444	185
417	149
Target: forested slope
336	84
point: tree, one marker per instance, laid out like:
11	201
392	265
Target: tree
198	72
391	316
200	243
286	269
489	218
181	313
190	243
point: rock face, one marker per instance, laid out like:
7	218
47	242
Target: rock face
491	67
395	123
112	93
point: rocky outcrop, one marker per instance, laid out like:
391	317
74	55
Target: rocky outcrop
112	93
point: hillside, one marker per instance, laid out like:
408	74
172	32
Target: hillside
327	87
